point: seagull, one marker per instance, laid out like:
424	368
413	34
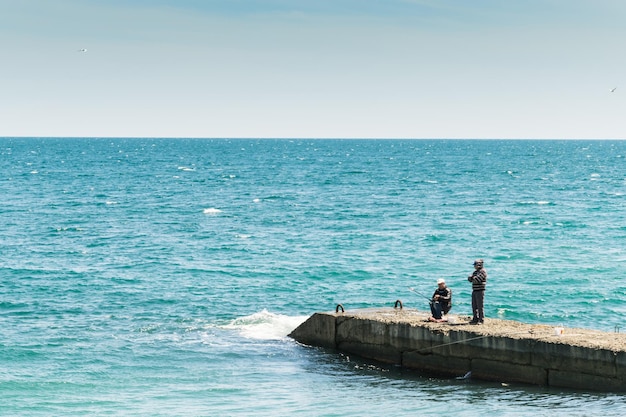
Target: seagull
82	50
613	89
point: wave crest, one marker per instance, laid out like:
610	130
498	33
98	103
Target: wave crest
265	325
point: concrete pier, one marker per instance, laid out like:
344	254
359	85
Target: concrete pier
499	350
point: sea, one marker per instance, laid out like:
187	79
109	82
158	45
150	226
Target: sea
161	277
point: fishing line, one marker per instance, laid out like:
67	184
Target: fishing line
472	338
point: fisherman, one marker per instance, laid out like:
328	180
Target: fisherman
479	282
441	301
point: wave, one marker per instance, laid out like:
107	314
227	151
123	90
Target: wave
265	325
538	203
211	210
67	229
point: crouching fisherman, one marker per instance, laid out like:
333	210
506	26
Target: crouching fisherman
441	302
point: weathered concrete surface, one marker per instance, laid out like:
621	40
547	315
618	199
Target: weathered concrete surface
499	350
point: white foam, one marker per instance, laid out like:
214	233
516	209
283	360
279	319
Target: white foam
211	210
540	203
265	325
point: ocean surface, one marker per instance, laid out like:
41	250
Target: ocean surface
160	277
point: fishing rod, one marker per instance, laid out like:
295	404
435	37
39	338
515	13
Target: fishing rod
420	294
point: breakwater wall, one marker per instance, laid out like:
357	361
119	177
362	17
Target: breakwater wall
499	350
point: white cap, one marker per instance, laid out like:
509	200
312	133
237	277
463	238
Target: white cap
441	281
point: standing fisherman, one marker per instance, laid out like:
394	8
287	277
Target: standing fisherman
479	282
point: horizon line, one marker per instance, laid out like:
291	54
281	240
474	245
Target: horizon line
299	138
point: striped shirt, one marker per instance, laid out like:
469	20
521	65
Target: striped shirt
478	279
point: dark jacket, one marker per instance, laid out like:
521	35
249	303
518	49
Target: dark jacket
445	298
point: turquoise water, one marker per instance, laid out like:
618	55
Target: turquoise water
161	276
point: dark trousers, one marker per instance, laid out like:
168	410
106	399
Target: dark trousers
435	309
478	305
439	309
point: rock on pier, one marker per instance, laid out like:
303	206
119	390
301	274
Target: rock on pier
499	350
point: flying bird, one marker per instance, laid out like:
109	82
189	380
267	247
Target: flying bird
82	50
613	89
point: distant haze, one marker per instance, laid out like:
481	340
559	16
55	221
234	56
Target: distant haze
313	69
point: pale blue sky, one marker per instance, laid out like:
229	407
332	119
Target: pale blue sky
313	69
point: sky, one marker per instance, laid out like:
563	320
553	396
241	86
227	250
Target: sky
536	69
